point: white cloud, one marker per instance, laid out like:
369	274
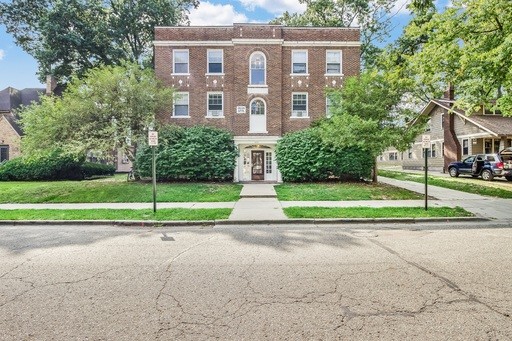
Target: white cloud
208	14
275	6
401	7
2	54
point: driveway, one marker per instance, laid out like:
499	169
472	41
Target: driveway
436	282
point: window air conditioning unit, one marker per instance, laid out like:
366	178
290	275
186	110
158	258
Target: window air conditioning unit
215	113
300	113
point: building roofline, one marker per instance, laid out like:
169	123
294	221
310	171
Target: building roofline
357	28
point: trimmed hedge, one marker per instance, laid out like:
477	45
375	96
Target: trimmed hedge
52	166
303	156
196	153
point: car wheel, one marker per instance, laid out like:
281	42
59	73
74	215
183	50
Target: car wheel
509	178
453	172
487	175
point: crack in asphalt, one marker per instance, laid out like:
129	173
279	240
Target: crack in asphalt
446	281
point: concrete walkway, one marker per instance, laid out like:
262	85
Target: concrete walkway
258	202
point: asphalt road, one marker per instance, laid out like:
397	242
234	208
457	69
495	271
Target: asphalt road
417	282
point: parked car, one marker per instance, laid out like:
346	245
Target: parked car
487	166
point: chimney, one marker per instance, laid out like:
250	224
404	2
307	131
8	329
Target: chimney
51	84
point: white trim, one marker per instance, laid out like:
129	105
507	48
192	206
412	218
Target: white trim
322	43
264	68
243	139
257	89
341	63
213	43
476	135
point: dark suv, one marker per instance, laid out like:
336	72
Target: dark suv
487	166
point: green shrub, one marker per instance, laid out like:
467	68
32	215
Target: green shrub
303	156
195	153
54	165
90	169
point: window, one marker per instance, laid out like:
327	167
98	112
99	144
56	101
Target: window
393	156
299	105
215	104
181	105
180	61
333	62
429	125
268	162
215	61
299	62
328	107
433	150
409	154
4	153
258	66
442	120
465	147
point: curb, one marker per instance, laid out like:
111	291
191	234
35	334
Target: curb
214	223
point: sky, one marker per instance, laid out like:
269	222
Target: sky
18	69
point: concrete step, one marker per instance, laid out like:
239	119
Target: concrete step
258	191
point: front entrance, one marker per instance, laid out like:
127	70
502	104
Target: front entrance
258	166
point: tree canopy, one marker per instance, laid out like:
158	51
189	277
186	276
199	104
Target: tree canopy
69	37
110	108
373	16
468	45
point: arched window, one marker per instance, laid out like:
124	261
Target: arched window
258	69
258	116
257	107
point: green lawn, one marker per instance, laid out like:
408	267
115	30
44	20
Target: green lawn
370	212
459	184
114	189
118	214
342	191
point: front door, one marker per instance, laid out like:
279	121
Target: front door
258	159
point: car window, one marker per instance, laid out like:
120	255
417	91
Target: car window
470	159
490	158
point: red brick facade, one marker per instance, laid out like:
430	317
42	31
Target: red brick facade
238	43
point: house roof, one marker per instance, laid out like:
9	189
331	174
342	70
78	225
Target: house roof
13	122
11	98
496	125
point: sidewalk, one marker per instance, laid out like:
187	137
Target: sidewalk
258	203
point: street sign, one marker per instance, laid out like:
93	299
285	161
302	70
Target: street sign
425	141
153	138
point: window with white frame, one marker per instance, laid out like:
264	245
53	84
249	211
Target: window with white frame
299	104
333	62
180	61
257	69
328	104
181	106
268	162
215	61
465	147
215	104
299	62
393	156
433	150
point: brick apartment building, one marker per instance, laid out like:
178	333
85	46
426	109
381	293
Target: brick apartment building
257	81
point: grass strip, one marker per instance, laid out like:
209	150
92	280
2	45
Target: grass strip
337	191
114	189
117	214
451	183
371	212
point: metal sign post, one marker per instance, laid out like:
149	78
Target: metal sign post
153	143
425	144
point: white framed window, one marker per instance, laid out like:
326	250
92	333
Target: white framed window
433	152
299	62
181	105
393	156
180	61
429	125
268	162
215	61
333	62
299	104
328	104
215	104
258	65
465	147
409	154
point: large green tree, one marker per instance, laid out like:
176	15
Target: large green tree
469	45
369	113
69	37
373	16
110	108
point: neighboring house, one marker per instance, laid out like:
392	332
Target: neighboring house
454	135
257	81
10	132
